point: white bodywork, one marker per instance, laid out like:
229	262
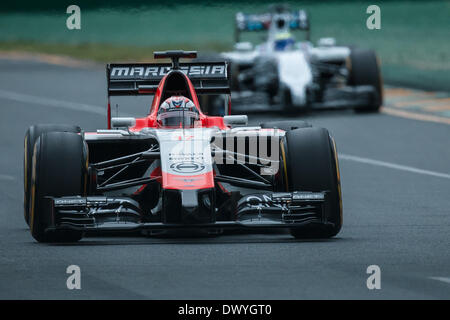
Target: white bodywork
295	73
185	151
242	56
294	67
329	53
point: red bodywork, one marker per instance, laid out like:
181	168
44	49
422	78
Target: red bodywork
150	120
171	181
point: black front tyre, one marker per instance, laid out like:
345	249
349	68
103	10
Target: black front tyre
59	168
31	136
311	165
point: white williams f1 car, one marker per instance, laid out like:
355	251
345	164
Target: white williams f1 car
298	75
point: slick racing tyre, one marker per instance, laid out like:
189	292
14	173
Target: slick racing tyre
31	136
59	168
310	164
286	125
364	69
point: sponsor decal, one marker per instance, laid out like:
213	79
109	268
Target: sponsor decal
187	167
158	71
68	202
308	196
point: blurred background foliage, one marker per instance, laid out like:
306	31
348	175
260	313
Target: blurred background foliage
413	43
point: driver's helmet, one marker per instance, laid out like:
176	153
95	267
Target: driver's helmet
177	112
283	41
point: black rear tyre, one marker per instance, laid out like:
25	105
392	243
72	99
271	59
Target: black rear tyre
311	165
365	70
59	168
31	136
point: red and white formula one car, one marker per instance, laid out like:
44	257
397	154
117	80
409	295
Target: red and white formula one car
178	168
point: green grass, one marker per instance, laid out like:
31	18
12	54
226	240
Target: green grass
98	52
413	42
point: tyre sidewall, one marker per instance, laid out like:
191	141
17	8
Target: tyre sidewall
311	166
59	169
32	134
365	70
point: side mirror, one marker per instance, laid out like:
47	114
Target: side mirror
123	122
238	120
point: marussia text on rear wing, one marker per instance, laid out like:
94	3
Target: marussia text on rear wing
143	78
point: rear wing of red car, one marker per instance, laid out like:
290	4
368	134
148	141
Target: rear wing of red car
143	78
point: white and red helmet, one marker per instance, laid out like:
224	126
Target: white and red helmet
177	112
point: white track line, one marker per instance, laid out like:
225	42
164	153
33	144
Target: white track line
6	177
443	279
393	166
101	111
60	104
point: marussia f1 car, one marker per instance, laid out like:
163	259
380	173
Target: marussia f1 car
177	168
298	75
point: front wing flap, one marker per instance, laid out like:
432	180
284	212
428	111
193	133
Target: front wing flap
263	210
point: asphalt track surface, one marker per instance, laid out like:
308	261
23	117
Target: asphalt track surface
396	193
